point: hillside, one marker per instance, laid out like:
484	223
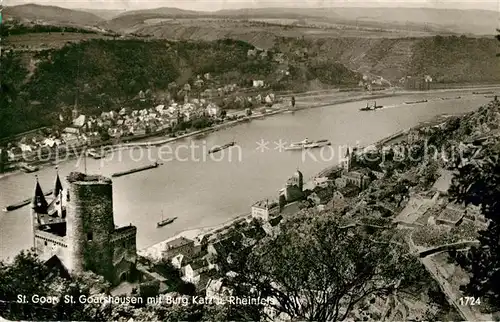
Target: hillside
447	59
386	22
51	15
109	74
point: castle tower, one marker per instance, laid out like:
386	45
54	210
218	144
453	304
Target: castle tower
90	224
299	179
39	205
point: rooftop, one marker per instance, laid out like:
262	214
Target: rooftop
178	242
265	203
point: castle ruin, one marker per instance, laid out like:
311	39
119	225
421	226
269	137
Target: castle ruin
78	227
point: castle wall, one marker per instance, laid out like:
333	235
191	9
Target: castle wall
90	224
47	244
124	253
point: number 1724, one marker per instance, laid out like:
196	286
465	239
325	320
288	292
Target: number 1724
469	300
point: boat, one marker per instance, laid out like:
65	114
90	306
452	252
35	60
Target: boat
375	106
298	145
94	154
317	144
219	148
29	168
416	102
479	93
164	222
147	167
301	143
371	108
367	108
23	203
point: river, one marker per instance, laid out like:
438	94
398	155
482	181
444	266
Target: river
202	191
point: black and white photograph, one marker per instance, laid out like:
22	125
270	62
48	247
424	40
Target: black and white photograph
237	160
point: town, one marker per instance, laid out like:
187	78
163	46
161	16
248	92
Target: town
399	224
406	198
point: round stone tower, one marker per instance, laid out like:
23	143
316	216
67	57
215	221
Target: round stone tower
89	217
300	179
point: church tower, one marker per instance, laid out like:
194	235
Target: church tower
346	164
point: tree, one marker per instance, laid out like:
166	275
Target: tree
319	271
478	183
498	38
28	276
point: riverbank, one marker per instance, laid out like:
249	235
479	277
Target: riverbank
321	99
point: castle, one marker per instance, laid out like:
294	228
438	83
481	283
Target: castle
294	188
78	227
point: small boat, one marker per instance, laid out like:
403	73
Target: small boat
416	102
301	143
164	222
94	154
317	144
367	108
29	168
219	148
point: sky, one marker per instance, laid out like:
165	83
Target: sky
213	5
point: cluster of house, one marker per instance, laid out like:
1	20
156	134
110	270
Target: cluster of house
85	130
371	82
197	258
423	82
332	189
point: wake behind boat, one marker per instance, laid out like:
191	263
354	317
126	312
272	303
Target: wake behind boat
219	148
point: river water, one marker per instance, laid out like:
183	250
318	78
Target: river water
203	191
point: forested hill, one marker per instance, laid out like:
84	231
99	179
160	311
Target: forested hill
37	86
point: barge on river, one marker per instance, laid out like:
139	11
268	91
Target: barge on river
147	167
220	148
22	203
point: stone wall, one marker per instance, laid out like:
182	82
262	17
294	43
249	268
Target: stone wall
47	244
124	254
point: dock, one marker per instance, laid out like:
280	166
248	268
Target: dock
134	170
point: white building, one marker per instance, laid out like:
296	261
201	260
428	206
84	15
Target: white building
264	209
258	83
212	110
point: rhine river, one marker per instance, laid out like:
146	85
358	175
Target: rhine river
203	191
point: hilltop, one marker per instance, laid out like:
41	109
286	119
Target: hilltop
51	15
360	22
